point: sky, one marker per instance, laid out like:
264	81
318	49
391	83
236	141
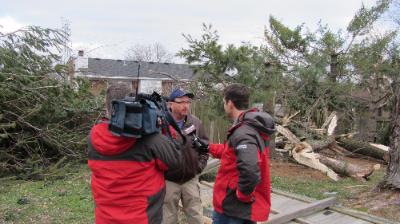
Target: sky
106	29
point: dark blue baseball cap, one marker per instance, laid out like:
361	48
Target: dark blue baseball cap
179	93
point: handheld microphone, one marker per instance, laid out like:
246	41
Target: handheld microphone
197	142
191	130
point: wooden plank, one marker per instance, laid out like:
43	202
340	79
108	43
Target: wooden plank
367	218
332	217
302	211
297	220
357	214
281	203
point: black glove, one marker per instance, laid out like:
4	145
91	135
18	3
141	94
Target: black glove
200	145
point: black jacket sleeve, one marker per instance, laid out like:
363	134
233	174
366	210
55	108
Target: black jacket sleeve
167	156
247	152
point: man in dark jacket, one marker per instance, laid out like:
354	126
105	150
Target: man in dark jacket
128	174
183	184
242	186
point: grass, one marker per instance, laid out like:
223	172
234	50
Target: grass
67	200
345	189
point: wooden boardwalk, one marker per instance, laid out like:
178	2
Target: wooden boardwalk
295	209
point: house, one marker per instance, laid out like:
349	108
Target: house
146	76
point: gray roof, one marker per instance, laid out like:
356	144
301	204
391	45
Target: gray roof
122	68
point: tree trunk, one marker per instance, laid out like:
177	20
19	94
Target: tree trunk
345	168
392	178
318	145
363	148
333	66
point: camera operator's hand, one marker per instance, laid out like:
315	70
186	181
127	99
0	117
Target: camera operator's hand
200	145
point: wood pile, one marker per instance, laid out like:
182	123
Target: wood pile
321	149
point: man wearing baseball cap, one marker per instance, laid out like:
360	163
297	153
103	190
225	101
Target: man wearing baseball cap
183	184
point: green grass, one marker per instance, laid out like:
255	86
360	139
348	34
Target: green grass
67	200
346	188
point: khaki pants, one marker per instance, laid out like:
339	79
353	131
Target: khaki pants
189	193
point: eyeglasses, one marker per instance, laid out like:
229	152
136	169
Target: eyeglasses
183	102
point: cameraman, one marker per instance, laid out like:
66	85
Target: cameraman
183	184
127	173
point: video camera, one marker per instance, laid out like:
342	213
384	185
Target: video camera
140	115
135	116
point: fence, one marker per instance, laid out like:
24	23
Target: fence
215	125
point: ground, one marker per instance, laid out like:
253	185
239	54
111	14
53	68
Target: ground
69	200
355	194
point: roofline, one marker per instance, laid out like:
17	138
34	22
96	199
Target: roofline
126	77
149	62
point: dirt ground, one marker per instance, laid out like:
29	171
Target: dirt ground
291	170
363	196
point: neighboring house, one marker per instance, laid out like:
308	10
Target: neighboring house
153	76
372	117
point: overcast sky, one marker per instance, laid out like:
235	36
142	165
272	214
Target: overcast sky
108	28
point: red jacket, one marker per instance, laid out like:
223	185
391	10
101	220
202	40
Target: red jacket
242	187
128	175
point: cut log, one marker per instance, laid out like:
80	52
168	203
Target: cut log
363	148
321	144
339	150
383	147
348	169
347	135
303	154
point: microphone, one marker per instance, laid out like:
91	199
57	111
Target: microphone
200	145
191	130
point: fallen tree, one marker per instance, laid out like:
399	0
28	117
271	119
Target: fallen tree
345	168
305	152
43	120
363	148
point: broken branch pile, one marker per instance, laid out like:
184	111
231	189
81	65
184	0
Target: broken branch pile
320	149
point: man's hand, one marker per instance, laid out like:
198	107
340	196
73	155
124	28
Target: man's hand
200	145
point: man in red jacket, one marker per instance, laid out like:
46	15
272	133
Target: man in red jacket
242	186
127	173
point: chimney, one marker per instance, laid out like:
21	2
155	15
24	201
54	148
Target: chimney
81	53
81	62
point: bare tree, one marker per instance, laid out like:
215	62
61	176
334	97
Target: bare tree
151	53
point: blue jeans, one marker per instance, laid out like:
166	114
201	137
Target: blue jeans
224	219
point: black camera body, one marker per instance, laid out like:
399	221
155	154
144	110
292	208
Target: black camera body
134	117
